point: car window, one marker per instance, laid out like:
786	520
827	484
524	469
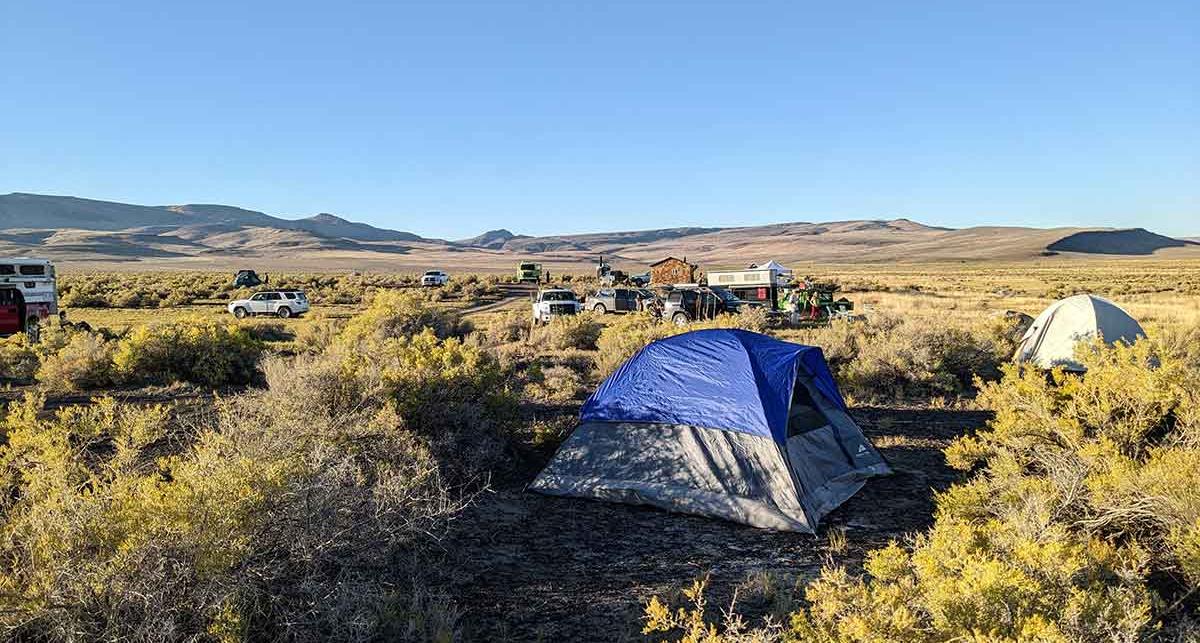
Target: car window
33	270
7	269
273	296
289	295
258	297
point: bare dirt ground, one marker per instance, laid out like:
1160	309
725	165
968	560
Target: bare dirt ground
532	567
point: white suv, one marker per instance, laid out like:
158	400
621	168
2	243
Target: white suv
434	278
281	303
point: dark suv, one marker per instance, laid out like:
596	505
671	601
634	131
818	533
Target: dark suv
733	303
684	306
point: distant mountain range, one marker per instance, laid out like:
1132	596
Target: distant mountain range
73	229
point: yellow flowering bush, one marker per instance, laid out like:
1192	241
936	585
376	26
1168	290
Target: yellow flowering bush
398	313
18	359
198	350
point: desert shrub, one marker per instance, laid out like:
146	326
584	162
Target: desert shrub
555	383
913	361
282	520
18	359
1113	453
397	314
506	327
452	393
695	623
751	319
137	290
475	289
627	335
52	338
1082	499
85	362
316	333
1000	334
1005	581
196	350
754	318
840	340
1182	342
268	331
566	332
75	535
886	357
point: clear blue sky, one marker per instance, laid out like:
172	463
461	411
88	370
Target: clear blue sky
447	118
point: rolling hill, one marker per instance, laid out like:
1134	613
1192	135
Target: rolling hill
103	233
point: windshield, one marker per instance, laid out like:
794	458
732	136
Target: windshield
725	295
558	295
529	266
432	273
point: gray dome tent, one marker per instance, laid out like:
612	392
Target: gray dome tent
1051	339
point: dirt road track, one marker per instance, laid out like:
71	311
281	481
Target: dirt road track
510	293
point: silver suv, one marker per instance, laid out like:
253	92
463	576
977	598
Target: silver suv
615	300
280	303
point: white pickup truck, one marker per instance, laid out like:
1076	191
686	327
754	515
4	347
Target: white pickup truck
280	303
554	302
433	278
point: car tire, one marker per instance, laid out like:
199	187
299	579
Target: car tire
240	312
599	309
680	319
284	312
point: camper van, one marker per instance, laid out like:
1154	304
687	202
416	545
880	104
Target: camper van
755	286
28	295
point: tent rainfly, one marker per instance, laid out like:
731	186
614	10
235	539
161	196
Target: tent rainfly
1051	339
723	423
774	266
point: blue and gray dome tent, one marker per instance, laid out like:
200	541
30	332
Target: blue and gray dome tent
725	423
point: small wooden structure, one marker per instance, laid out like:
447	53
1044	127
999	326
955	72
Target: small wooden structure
671	271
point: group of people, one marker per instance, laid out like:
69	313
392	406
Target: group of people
801	301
